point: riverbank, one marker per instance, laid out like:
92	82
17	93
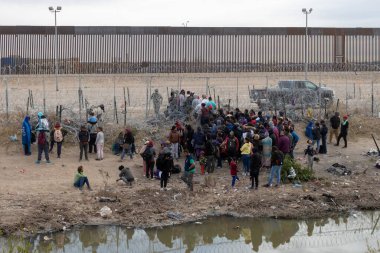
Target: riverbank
37	198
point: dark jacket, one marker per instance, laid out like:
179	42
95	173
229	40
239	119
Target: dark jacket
84	136
316	133
335	122
344	128
167	164
209	148
277	158
309	150
128	138
284	144
324	131
126	173
255	163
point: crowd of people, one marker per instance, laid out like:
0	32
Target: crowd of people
215	137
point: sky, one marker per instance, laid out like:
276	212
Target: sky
199	13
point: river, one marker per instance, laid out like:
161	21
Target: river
349	233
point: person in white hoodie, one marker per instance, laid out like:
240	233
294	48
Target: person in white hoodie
99	144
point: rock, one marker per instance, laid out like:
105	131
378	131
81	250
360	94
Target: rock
46	238
217	207
105	212
198	222
174	215
273	207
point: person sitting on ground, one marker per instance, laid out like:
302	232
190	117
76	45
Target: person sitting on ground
80	179
125	175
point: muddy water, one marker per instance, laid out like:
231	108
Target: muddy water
352	233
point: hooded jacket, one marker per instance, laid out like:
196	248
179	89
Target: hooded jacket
26	131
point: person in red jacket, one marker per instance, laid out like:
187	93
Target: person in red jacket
233	171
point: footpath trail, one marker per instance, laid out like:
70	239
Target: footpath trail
35	198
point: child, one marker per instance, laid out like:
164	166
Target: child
125	175
202	162
57	136
233	171
309	151
80	179
99	142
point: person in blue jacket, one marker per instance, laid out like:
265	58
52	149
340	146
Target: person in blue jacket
26	136
309	130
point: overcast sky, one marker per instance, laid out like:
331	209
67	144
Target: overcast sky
203	13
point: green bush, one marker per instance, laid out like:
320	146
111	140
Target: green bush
303	174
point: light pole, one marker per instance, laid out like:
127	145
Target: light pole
58	9
184	24
306	12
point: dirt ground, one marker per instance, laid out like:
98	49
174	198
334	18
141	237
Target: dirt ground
35	198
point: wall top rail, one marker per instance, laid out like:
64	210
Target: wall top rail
166	30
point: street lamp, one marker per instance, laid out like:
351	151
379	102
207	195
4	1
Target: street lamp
306	12
58	9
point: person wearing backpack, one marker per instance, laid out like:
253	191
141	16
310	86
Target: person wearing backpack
57	136
84	138
232	146
92	127
42	130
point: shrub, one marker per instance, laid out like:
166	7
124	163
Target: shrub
303	174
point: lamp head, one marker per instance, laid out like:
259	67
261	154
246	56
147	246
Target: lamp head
310	10
59	8
304	10
51	8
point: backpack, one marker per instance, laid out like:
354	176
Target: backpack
147	154
160	161
210	148
43	124
231	145
176	169
58	136
41	138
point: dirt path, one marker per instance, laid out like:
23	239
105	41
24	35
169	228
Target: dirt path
36	198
